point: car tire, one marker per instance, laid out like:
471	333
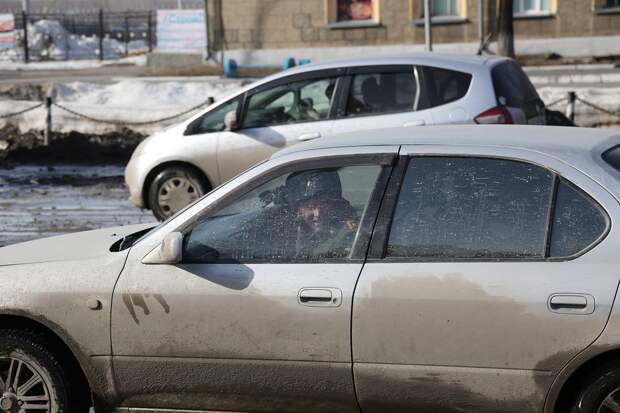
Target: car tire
173	188
25	358
599	391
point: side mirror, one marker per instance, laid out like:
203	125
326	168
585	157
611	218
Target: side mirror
230	121
170	251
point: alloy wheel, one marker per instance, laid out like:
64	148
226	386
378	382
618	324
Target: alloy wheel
24	387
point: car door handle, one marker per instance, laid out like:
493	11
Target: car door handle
571	303
417	122
320	297
309	136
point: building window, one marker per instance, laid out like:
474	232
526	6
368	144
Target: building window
347	10
606	6
442	11
352	13
531	7
444	8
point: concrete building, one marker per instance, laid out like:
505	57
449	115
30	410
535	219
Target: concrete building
249	29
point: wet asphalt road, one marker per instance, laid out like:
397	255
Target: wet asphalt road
39	201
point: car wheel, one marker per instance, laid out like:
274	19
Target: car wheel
600	392
173	189
32	379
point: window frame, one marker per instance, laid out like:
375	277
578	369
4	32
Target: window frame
536	12
380	237
336	73
416	14
332	22
600	7
347	84
361	240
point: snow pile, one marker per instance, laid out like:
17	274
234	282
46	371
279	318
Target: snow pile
605	97
49	40
132	100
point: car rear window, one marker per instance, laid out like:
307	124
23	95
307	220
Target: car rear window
578	222
512	86
442	86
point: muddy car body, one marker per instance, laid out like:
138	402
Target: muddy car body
470	269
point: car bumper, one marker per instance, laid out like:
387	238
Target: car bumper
134	182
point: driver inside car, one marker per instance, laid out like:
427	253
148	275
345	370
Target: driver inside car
324	218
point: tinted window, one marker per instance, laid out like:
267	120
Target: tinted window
212	121
612	157
512	86
308	216
377	93
303	101
442	86
471	208
577	222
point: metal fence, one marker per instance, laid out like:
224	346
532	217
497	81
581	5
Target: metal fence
85	35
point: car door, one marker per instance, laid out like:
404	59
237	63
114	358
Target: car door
496	268
381	97
284	112
257	316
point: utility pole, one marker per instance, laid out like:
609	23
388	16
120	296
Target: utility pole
481	23
26	6
179	4
428	33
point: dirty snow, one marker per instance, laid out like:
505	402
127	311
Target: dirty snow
132	100
606	97
48	40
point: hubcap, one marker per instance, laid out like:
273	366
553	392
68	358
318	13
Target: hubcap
176	193
23	387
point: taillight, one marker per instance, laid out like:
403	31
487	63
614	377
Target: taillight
498	114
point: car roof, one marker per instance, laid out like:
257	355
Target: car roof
431	59
546	139
460	62
579	147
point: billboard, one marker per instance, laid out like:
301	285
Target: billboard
181	31
7	31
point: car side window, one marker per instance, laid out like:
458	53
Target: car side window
442	86
309	216
471	208
301	101
213	121
377	93
578	222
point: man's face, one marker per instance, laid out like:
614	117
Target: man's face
311	213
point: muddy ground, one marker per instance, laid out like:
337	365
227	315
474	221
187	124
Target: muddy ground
40	201
74	184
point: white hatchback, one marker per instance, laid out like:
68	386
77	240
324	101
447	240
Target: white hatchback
172	168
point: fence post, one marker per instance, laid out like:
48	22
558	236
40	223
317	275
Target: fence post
126	35
48	119
26	51
570	106
101	34
149	34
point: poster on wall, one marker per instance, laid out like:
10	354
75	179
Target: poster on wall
181	31
7	31
354	10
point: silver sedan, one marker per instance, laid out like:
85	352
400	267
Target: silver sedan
468	269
